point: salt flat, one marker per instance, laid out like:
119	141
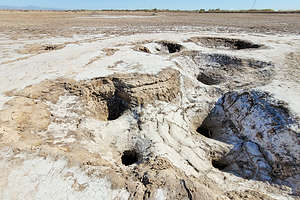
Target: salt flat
148	110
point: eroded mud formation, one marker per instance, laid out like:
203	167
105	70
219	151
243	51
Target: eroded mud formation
155	132
160	47
171	47
108	97
264	137
230	71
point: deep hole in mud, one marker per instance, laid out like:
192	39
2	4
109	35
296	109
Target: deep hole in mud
116	107
219	164
225	43
130	157
204	131
209	78
240	44
172	47
230	71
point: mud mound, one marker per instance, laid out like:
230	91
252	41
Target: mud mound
264	134
224	43
109	97
141	49
160	47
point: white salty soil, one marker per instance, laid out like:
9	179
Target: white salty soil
54	165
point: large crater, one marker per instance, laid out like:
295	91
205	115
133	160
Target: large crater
230	71
224	43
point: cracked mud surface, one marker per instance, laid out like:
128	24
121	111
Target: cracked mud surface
151	116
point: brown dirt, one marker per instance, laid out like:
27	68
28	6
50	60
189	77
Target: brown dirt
19	24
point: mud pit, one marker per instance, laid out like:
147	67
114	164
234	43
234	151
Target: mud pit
130	157
152	116
234	120
159	47
228	71
225	43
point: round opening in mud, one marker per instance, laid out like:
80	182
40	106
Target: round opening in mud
219	164
225	43
204	131
116	107
130	157
172	47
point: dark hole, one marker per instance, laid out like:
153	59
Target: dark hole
239	44
204	131
129	157
145	179
49	48
172	47
116	107
219	164
220	43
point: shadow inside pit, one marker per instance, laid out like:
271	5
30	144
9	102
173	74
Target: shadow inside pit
225	43
130	157
172	47
116	107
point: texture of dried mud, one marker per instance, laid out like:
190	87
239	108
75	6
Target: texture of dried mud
265	148
169	116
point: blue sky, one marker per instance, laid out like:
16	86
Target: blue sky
162	4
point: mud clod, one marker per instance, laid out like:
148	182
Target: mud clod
142	49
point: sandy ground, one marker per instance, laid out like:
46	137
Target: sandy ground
45	24
51	149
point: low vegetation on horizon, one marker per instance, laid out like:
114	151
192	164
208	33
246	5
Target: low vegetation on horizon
218	10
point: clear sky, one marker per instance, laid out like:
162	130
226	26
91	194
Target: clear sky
160	4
